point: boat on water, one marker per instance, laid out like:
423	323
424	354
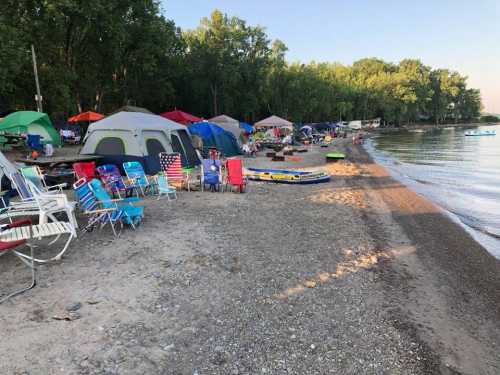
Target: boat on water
286	176
477	133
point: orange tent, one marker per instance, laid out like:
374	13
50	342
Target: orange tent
86	117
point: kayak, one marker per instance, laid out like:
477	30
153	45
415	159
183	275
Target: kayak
334	156
286	176
477	133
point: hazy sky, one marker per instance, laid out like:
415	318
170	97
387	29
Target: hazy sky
463	35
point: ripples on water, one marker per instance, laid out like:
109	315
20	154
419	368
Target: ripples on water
459	173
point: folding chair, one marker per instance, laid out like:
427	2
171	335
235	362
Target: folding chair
35	175
164	188
211	174
85	170
234	174
113	181
6	246
136	175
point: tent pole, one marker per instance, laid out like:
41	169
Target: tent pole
35	70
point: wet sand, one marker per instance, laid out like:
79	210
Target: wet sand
356	276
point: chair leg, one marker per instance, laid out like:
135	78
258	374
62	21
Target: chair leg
33	276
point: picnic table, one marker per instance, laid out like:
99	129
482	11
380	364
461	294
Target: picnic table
53	161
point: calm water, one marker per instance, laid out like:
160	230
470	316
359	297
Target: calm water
461	174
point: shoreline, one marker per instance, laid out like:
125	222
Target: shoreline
432	127
359	275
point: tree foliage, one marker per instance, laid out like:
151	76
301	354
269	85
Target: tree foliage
102	54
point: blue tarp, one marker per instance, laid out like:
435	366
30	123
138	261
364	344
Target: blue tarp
215	136
246	127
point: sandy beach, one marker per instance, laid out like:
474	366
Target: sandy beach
356	276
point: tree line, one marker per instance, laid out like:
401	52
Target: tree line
103	54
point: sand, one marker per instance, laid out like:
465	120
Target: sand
356	276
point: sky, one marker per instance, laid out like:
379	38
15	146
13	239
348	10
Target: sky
462	35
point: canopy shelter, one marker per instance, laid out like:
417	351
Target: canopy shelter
31	122
131	108
247	128
88	116
181	117
273	122
134	136
228	124
215	136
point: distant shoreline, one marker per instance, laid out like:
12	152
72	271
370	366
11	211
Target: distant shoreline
434	126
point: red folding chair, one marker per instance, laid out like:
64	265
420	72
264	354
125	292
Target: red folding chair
6	246
85	170
234	177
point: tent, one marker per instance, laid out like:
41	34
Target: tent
228	124
181	117
214	136
131	108
247	128
273	122
32	123
86	117
134	136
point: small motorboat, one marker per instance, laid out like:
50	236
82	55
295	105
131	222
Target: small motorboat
286	176
478	133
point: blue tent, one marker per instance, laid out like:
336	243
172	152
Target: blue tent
215	136
246	127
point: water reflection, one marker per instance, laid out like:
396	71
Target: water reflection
461	174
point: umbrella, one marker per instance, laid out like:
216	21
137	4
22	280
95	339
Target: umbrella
86	116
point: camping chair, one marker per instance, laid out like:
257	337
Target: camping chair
85	170
234	174
32	199
163	187
172	167
132	215
211	174
35	175
96	214
33	141
113	181
135	174
6	246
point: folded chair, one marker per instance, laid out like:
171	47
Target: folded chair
113	181
164	188
136	175
35	175
234	174
132	215
97	215
6	246
85	170
211	174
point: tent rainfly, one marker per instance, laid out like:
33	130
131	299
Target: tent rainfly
131	108
228	124
215	136
273	122
181	117
134	136
31	122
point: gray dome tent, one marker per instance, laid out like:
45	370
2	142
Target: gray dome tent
134	136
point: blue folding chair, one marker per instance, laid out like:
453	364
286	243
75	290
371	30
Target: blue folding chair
131	215
211	174
136	175
98	215
34	142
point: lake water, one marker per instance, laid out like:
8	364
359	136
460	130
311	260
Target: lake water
461	174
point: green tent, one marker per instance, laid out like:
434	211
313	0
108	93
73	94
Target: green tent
33	123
